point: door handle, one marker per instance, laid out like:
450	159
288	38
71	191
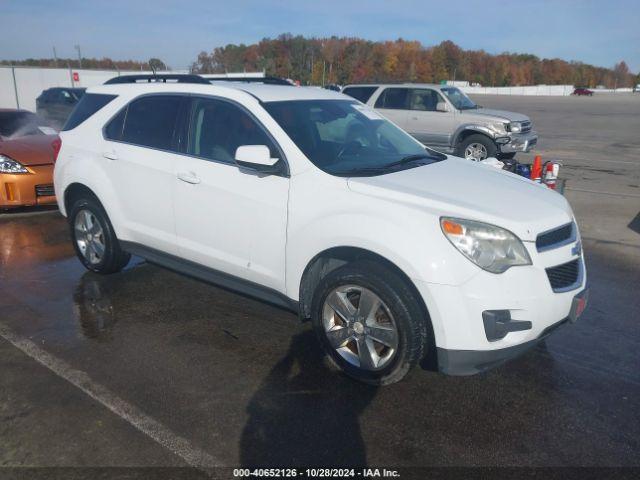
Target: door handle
189	177
110	155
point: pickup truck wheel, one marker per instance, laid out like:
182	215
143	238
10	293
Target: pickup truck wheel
369	322
94	240
477	147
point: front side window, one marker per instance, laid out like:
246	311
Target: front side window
218	128
393	98
425	100
345	138
458	98
150	121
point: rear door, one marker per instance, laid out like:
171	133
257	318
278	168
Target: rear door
392	103
425	122
230	219
141	144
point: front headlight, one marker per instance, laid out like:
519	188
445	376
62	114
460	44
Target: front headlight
515	127
499	128
491	248
9	165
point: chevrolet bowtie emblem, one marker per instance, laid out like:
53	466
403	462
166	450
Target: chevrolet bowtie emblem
577	249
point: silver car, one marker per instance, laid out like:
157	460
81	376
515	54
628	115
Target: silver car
444	118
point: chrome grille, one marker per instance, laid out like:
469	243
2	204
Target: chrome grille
45	190
565	277
526	126
556	238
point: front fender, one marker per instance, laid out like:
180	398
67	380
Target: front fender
473	127
407	236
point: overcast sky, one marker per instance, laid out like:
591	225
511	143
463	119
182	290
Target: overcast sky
598	32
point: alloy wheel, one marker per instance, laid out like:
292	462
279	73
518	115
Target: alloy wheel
476	152
360	327
89	236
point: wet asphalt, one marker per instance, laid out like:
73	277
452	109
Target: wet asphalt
246	382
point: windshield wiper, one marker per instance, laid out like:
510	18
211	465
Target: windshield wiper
393	165
407	159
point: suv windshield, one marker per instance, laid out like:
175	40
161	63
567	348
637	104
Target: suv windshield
346	138
459	99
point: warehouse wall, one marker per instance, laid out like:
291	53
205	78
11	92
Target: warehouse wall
31	81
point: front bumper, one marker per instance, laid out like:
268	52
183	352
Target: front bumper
463	343
27	189
520	142
470	362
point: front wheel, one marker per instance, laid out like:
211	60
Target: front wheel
477	148
369	322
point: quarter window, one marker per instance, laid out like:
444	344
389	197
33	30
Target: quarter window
218	128
393	98
88	105
150	121
113	130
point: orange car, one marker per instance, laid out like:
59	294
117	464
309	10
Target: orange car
27	152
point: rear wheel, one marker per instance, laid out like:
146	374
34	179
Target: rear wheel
476	147
94	240
369	322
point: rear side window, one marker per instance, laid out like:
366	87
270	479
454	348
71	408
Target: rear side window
150	121
87	106
360	93
393	98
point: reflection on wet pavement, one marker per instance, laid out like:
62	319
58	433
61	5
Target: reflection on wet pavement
246	380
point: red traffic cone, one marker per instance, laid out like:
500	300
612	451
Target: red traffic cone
536	169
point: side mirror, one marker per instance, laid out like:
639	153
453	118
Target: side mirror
257	158
442	107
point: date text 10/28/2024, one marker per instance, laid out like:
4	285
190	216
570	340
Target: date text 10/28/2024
316	473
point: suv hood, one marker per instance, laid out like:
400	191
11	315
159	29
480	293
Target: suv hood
461	188
30	149
497	114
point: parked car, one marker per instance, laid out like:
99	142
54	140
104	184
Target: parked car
444	118
582	92
27	148
55	104
308	199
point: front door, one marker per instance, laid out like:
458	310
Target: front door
230	219
425	122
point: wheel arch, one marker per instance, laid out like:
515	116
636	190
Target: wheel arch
77	190
330	259
465	131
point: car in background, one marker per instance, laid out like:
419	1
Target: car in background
27	152
55	104
444	118
580	92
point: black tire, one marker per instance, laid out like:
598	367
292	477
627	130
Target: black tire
401	301
488	144
113	259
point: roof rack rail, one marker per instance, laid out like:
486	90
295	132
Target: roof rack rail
265	80
160	78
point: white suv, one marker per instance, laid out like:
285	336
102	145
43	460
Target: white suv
308	199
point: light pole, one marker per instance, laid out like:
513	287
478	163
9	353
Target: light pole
77	47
